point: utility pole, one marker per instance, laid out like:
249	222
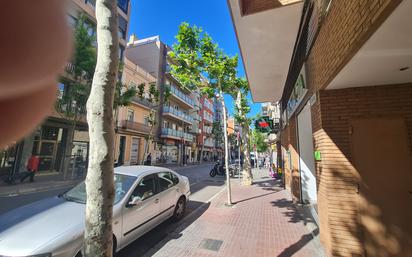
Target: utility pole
229	191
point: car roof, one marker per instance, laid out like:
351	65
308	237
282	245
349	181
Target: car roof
137	170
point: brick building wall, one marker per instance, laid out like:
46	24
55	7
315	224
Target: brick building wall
347	25
337	177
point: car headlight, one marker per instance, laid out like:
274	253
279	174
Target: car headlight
36	255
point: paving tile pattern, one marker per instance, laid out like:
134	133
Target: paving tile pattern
263	222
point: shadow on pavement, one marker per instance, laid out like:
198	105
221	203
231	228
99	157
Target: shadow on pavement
151	242
292	249
292	212
257	196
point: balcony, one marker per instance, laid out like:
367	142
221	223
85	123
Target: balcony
195	129
207	130
208	119
182	97
209	143
176	134
134	126
196	117
143	102
167	110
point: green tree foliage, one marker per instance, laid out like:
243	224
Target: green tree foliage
217	131
258	140
198	62
151	94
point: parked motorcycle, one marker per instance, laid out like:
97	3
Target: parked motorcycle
220	169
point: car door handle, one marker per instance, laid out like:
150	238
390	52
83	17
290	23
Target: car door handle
177	190
156	201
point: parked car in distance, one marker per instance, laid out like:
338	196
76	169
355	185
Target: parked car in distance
145	196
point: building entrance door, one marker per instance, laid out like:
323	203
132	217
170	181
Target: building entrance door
382	156
134	150
306	157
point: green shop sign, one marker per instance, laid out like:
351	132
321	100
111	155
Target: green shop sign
299	91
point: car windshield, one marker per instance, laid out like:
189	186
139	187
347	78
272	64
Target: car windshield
122	184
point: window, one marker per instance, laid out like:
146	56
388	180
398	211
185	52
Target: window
165	180
91	2
62	88
130	115
175	179
145	189
72	21
122	27
123	5
121	53
146	120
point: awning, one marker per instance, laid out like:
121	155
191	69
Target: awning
266	32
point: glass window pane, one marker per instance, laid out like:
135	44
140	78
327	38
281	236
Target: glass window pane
145	188
165	180
47	148
49	133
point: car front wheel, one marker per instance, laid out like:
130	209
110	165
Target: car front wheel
179	209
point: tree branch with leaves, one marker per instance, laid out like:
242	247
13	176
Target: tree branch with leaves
199	63
151	94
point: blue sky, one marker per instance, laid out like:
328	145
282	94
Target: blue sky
162	17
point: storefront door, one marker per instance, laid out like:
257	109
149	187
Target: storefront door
382	157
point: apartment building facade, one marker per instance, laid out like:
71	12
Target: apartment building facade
174	141
218	119
195	129
344	81
58	140
132	122
206	139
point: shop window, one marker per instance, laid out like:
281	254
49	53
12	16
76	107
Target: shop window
47	148
50	133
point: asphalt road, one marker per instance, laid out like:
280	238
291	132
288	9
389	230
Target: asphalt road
203	188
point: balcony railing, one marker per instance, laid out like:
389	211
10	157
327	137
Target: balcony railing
135	126
177	134
210	143
143	102
179	94
180	114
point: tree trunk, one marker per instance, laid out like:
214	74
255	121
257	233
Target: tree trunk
146	147
98	235
247	170
229	193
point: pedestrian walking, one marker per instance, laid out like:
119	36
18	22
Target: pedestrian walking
32	167
149	159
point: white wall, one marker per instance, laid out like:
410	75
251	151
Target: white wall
306	156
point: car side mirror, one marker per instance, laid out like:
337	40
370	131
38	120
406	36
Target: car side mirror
135	200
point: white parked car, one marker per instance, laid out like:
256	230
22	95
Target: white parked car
145	197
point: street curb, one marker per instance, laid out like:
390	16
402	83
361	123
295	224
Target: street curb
25	191
182	224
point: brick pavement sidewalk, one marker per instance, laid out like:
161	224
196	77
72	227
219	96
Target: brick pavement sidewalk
263	223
